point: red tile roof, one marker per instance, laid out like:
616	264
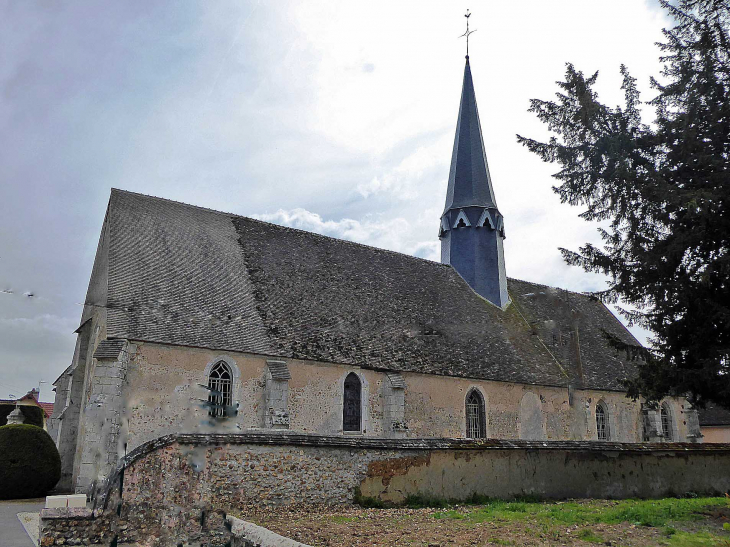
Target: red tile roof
47	408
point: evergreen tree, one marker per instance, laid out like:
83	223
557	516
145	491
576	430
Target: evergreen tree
663	192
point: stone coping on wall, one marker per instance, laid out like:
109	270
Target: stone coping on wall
271	438
301	439
67	513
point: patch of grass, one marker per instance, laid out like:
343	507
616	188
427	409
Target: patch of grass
669	531
367	502
640	512
478	499
586	534
451	514
420	501
659	512
698	539
498	541
529	498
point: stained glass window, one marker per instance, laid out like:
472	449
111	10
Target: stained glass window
351	409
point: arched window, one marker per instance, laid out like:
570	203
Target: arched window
476	423
666	416
352	406
602	428
220	385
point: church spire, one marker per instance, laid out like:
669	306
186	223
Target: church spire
472	228
469	180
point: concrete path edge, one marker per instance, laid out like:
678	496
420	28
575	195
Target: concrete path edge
260	536
30	522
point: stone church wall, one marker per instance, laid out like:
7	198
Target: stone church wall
153	390
188	482
165	393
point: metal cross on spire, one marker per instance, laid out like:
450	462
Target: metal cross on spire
468	32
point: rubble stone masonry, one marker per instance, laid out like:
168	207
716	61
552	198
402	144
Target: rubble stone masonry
179	488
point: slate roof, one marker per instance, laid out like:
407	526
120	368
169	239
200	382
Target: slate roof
185	275
396	380
108	349
279	370
713	415
469	181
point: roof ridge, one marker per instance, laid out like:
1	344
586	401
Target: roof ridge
281	226
577	293
158	198
347	241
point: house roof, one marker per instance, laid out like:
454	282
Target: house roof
185	275
713	415
46	407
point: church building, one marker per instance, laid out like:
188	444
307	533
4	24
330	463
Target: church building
203	321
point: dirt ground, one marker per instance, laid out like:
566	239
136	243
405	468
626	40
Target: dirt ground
530	524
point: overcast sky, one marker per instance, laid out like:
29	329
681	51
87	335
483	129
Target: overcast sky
334	117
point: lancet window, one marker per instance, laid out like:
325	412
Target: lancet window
602	422
220	387
666	417
476	423
352	404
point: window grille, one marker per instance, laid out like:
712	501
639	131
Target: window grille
220	385
601	422
666	422
352	407
476	426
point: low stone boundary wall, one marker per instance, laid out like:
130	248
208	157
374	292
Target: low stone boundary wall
179	488
75	526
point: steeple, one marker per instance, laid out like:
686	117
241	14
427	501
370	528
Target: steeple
472	228
469	180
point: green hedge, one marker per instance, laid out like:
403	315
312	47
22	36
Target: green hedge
29	462
33	415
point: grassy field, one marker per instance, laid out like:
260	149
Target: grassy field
686	522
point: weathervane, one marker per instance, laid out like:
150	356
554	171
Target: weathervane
468	32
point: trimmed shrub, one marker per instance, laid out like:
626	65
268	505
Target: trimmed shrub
29	462
32	415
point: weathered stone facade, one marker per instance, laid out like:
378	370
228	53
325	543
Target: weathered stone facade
716	434
165	390
144	390
103	417
181	487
